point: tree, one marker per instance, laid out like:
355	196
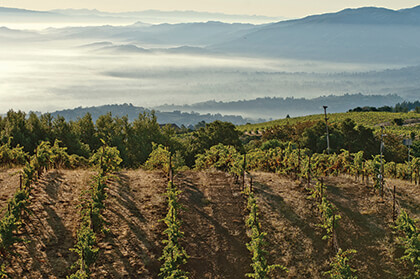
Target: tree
62	131
213	134
85	130
144	132
35	130
14	126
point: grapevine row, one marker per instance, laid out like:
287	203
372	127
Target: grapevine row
261	269
107	161
173	255
45	157
409	240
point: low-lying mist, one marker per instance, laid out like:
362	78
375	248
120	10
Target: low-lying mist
51	75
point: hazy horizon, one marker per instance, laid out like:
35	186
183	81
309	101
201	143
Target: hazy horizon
270	8
151	65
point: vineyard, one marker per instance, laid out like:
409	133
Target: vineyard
368	119
289	215
206	205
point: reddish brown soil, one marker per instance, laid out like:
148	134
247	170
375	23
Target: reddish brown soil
9	182
213	221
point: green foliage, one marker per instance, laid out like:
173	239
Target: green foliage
85	248
59	155
261	269
12	156
373	168
270	144
173	255
80	274
329	218
159	159
215	133
409	239
221	157
93	203
107	159
9	224
3	273
18	204
318	191
367	119
340	268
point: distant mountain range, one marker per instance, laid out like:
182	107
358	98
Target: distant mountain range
364	35
367	35
132	112
256	111
274	108
335	53
149	16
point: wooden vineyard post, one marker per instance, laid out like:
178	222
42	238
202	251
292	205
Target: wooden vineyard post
321	189
20	181
394	215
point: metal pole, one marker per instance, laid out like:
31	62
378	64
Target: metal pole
326	125
381	170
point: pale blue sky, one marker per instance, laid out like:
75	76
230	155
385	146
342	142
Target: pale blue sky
287	8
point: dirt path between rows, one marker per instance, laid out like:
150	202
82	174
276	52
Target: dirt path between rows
213	222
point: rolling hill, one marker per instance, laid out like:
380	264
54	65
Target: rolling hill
372	120
362	35
132	112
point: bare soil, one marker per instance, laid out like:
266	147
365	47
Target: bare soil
9	182
213	222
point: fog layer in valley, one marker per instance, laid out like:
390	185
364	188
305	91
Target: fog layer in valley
50	76
152	65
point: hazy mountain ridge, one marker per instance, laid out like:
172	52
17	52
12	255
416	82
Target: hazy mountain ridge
168	15
273	107
362	35
365	15
132	112
150	16
192	34
193	62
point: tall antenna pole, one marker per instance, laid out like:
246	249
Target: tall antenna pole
382	165
326	125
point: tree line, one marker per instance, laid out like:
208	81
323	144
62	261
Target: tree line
135	140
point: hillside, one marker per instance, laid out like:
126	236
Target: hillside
79	16
213	222
368	119
271	108
163	117
352	35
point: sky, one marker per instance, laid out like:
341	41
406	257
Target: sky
285	8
